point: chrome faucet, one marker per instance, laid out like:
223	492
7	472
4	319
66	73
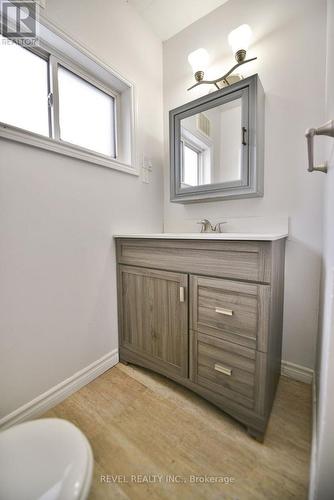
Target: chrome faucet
207	227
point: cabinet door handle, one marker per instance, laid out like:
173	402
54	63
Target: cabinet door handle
223	369
181	293
243	140
226	312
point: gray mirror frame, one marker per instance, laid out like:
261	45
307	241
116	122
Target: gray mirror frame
251	184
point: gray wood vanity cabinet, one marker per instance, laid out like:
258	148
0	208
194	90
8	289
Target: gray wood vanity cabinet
207	314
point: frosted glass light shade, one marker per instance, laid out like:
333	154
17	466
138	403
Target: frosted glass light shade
240	38
198	60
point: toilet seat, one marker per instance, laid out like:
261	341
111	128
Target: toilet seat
46	459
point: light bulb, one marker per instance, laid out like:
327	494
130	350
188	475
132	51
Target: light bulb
198	60
239	38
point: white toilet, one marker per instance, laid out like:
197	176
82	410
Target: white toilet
45	459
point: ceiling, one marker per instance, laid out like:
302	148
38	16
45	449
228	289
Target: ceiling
168	17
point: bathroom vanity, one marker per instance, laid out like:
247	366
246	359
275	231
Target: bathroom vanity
206	311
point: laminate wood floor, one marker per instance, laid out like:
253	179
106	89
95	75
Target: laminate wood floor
165	442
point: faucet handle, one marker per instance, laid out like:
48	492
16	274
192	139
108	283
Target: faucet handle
217	227
206	225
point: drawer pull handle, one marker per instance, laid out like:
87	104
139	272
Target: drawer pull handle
181	293
223	369
226	312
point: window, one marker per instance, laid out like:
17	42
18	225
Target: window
83	114
58	97
191	166
196	160
23	88
86	114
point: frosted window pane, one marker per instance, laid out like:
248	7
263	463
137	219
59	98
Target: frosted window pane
86	114
23	88
190	167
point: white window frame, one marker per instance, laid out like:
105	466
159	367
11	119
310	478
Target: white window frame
54	143
190	145
54	63
202	148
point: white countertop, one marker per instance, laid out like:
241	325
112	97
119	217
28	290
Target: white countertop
207	236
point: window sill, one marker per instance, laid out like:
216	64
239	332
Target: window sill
19	135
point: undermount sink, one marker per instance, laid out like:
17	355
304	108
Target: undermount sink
207	236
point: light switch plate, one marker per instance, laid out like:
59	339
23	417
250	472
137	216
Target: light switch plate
146	170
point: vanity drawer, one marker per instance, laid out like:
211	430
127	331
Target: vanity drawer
230	310
243	260
227	369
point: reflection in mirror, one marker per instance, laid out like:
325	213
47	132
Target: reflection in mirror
211	144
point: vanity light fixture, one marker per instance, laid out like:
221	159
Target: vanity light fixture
198	60
239	40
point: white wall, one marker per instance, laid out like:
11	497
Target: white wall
322	480
289	40
57	216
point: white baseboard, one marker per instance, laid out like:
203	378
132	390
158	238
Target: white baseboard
297	372
61	391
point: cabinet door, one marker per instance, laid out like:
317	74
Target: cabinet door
216	144
154	317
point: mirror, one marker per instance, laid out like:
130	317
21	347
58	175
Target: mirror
213	153
210	145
